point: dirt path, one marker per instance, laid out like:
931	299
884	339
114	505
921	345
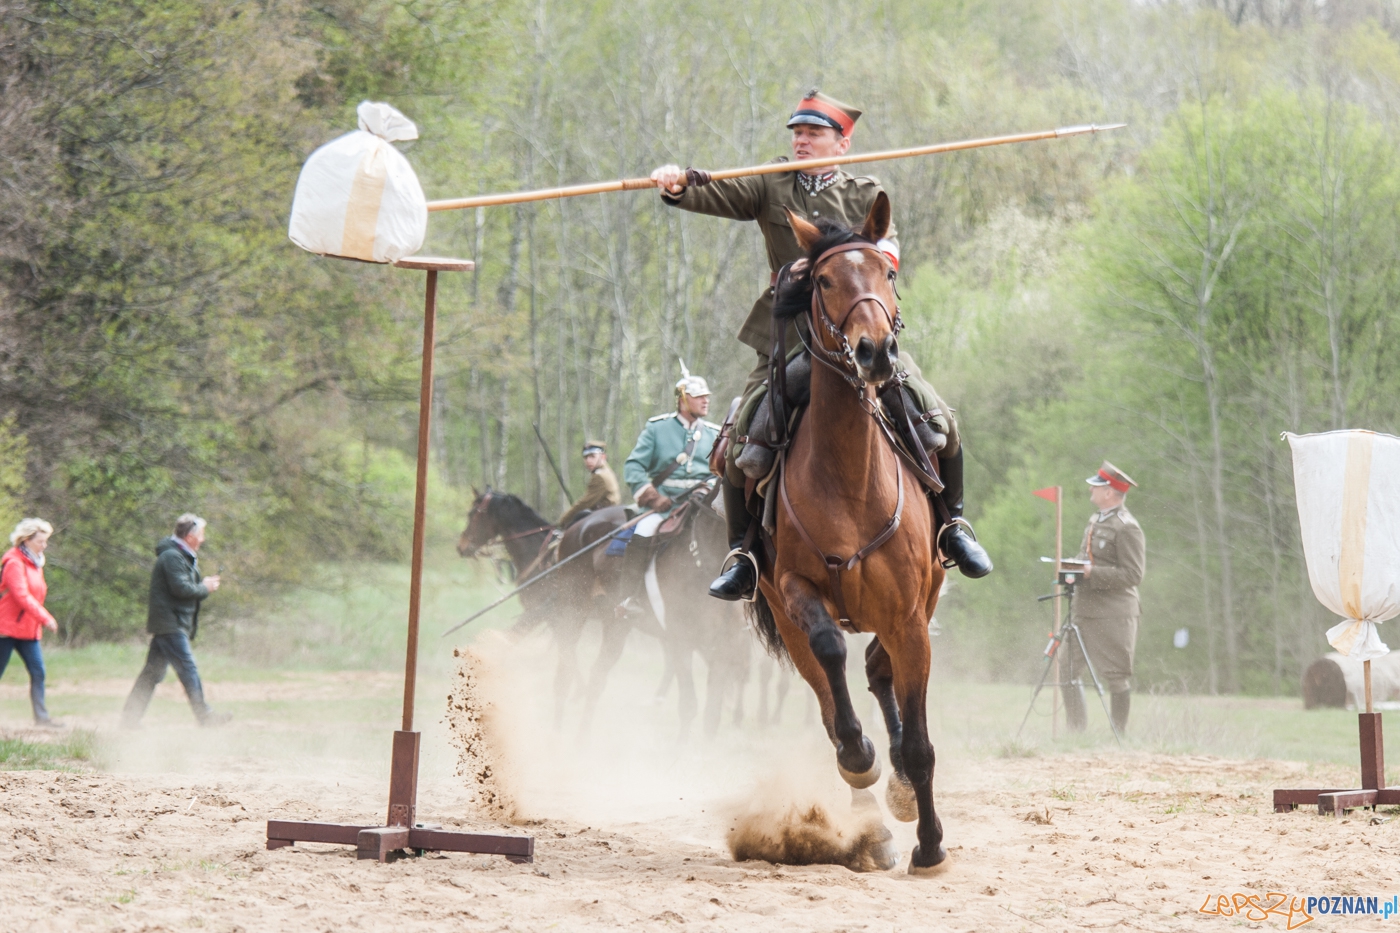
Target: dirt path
1132	842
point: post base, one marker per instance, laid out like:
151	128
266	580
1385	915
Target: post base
382	843
1371	793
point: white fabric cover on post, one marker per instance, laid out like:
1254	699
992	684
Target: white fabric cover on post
357	196
1348	489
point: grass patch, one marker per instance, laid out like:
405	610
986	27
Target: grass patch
71	753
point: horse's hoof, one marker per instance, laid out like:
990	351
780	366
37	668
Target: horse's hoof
863	780
939	866
883	853
899	797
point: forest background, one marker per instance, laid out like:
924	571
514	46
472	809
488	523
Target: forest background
1170	297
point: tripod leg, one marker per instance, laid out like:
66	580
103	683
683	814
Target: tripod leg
1071	689
1038	687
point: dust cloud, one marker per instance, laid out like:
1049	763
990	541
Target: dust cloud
751	792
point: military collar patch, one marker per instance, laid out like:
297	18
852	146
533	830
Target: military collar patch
815	184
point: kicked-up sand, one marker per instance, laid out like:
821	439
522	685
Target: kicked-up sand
633	830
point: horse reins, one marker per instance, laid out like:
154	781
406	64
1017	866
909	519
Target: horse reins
480	509
839	360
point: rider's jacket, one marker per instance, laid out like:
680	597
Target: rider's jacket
1115	543
602	492
845	198
662	442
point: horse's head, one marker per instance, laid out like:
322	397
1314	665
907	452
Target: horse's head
481	525
846	282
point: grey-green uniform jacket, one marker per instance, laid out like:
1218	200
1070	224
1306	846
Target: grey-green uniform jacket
1115	543
662	441
761	198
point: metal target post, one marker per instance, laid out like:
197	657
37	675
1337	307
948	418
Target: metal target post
401	831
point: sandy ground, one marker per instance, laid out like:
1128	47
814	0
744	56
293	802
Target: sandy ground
630	829
1132	842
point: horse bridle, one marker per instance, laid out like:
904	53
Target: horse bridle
480	509
843	360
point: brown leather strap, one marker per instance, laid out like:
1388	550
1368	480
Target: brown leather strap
674	465
544	549
696	177
835	564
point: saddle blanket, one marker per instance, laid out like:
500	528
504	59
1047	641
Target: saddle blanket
618	545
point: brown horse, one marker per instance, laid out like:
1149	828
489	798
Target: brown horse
854	538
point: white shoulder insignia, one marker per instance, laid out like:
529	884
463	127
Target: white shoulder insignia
661	417
710	424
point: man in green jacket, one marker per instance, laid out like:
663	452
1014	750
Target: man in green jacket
1106	605
671	457
821	128
172	619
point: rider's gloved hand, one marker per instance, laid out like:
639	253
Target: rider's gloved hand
648	498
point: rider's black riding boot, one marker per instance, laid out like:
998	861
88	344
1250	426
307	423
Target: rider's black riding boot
739	580
957	540
1076	716
632	581
1119	710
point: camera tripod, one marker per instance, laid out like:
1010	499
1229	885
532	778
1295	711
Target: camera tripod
1069	629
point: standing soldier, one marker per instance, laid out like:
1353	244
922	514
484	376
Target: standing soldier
602	488
671	456
821	127
1106	601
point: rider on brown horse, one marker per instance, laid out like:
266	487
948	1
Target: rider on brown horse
821	127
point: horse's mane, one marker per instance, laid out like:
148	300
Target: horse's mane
794	298
511	512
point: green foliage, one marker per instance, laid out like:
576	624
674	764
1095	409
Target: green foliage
1169	297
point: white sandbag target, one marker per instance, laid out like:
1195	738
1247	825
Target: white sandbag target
1348	490
357	196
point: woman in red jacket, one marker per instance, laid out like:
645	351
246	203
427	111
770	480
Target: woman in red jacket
22	613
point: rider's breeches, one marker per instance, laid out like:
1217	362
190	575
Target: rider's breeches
646	528
1110	644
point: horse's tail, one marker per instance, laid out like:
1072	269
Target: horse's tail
760	616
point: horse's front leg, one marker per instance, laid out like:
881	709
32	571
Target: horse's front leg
909	656
825	646
879	674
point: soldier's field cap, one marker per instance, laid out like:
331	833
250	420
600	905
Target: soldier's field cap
819	110
1110	475
594	447
693	386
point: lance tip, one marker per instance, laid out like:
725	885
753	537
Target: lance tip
1088	128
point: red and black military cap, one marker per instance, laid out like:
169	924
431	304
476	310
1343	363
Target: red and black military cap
1110	475
819	110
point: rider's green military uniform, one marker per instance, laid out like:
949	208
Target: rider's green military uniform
761	198
662	442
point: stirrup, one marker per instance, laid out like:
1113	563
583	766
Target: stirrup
742	554
938	538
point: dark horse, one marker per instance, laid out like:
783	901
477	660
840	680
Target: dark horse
565	600
587	589
854	537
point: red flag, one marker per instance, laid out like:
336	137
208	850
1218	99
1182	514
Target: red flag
1049	493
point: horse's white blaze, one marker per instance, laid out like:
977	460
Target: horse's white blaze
856	257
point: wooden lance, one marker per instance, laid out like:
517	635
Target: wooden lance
771	168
